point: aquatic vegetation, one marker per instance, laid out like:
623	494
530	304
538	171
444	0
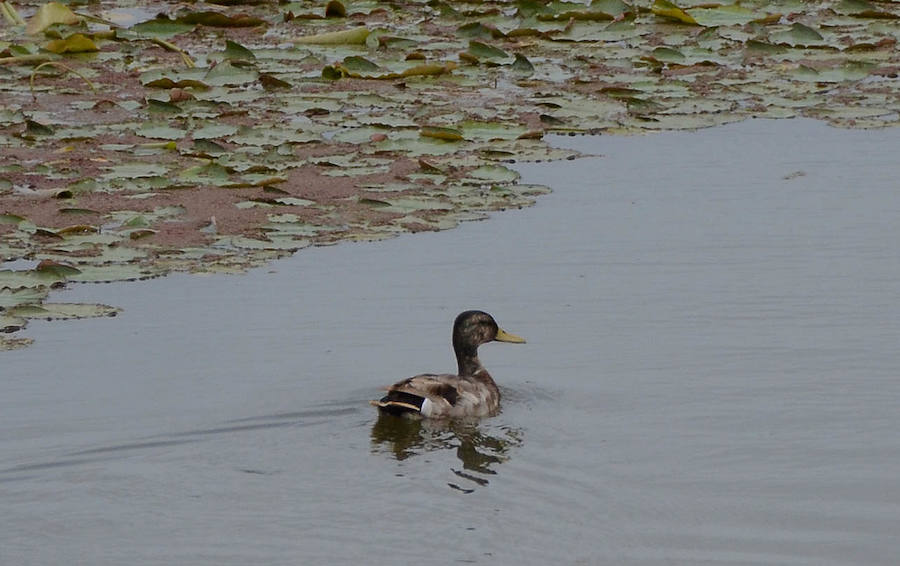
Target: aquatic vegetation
141	138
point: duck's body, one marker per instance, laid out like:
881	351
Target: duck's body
442	396
471	393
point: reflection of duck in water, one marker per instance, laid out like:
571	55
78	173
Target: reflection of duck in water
478	448
471	393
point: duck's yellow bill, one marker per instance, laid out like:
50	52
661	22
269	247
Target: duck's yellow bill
504	336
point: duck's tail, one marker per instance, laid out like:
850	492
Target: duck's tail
399	403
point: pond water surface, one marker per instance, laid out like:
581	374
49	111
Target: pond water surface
711	377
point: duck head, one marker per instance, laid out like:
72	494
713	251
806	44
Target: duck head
472	329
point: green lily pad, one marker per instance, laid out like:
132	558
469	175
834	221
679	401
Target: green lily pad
672	12
138	221
33	128
862	9
160	131
234	50
275	243
441	133
668	55
212	131
355	63
75	43
206	174
134	170
406	204
107	273
207	148
724	15
354	36
63	311
10	297
227	74
12	279
162	27
477	30
522	66
49	14
486	51
393	42
163	107
55	269
268	137
11	219
492	174
613	7
798	35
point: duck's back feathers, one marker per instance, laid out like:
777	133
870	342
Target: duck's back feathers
441	396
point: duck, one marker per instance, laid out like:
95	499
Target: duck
472	392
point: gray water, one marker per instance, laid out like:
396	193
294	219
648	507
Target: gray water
711	377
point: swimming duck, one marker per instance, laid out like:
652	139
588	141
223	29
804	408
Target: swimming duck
471	393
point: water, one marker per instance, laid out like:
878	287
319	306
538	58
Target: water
711	377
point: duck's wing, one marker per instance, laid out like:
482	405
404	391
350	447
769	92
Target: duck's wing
438	395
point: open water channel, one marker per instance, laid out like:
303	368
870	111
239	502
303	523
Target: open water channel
712	376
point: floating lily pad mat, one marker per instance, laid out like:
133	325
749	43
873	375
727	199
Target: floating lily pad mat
140	138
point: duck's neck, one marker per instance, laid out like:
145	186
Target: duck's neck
468	363
470	366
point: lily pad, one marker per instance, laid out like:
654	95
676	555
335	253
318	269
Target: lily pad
49	14
492	174
406	204
354	36
671	11
10	297
63	311
160	131
213	131
724	15
234	50
162	27
134	170
11	219
75	43
798	35
227	74
441	133
486	51
357	64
